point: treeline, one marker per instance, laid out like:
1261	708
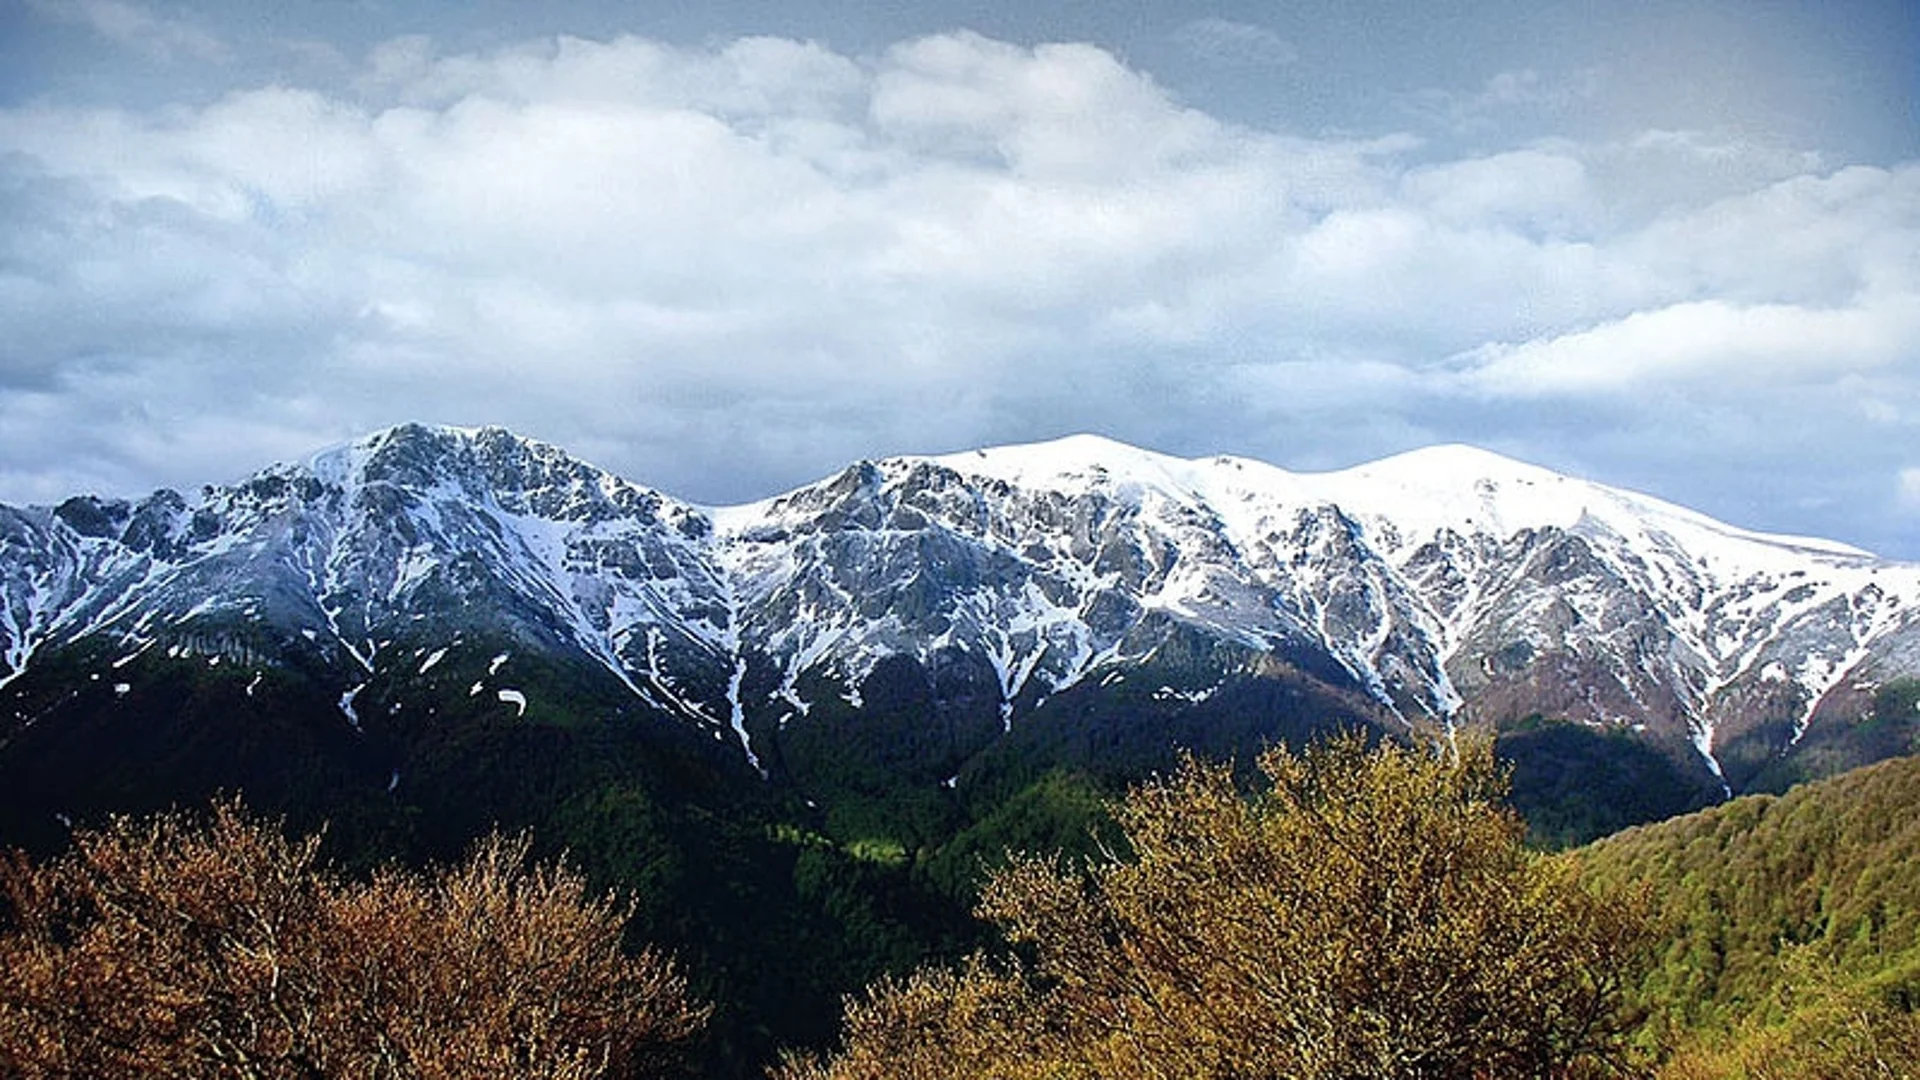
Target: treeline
1357	911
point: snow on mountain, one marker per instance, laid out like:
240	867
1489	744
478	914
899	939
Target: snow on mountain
1441	586
1456	556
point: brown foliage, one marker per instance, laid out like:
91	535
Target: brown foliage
170	947
939	1024
1373	914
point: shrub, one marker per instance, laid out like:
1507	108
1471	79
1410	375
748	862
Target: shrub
217	947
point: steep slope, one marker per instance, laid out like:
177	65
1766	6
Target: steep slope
938	621
796	726
337	619
1832	868
1447	585
481	531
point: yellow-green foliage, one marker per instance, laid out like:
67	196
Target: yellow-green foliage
1832	1027
980	1022
1834	865
1372	913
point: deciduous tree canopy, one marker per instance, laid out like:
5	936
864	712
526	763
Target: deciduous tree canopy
219	948
1371	912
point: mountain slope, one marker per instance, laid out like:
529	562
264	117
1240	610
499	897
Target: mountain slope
1445	585
925	618
795	727
1830	868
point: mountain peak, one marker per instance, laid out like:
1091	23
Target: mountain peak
1081	455
347	463
1445	581
426	455
1454	460
406	440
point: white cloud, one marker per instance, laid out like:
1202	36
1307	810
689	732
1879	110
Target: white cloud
976	101
1761	346
1520	91
737	266
1530	191
1224	41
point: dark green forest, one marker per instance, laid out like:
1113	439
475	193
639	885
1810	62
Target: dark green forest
866	861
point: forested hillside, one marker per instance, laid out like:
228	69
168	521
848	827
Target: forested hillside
1353	908
1790	927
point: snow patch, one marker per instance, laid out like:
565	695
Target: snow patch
346	705
1701	734
132	656
1192	697
738	717
515	698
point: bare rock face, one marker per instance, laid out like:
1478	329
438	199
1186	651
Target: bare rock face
1071	594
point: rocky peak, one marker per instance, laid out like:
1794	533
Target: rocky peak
1448	584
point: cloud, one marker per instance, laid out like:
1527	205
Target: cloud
1813	278
1530	190
1523	91
1224	41
137	28
1907	486
1773	344
729	269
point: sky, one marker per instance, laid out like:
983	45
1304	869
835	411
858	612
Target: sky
727	248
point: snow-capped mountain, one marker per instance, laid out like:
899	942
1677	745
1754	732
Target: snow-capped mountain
442	570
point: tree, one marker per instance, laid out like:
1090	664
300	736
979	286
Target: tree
217	947
1830	1025
1371	913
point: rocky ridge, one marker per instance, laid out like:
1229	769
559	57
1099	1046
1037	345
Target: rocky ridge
1008	586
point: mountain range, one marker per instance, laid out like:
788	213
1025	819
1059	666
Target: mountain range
800	727
1074	598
